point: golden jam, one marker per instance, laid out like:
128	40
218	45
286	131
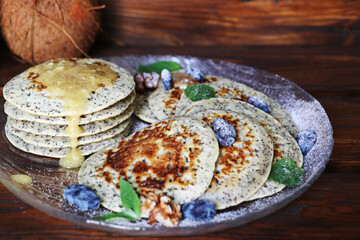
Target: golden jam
73	81
21	179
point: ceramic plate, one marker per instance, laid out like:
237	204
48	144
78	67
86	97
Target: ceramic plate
45	193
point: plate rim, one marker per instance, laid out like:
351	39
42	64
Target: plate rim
164	231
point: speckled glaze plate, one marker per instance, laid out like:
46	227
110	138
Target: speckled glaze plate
45	193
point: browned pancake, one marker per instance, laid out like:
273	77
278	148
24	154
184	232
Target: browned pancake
243	167
175	157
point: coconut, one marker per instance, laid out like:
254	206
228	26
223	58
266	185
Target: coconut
40	30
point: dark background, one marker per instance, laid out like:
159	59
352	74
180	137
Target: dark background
312	43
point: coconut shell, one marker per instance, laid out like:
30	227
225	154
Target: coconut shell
40	30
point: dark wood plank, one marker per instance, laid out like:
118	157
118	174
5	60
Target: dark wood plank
330	209
9	66
231	23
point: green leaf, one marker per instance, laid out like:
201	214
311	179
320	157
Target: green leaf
286	172
126	214
129	198
159	66
199	92
130	202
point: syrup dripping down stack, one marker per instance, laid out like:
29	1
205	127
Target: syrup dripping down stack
69	104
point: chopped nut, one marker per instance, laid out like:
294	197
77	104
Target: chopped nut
146	81
182	80
139	82
152	81
148	206
160	209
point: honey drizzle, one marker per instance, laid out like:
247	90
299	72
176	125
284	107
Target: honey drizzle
73	81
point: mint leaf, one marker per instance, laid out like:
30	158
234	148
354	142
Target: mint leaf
159	66
286	172
126	214
130	202
199	92
129	198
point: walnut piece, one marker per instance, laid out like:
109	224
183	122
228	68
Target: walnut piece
146	81
160	209
182	80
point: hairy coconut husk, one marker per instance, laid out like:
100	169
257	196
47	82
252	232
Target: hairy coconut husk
40	30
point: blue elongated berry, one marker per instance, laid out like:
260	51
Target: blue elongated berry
259	103
199	210
224	132
225	141
166	79
82	197
196	73
306	140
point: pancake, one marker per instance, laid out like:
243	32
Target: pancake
142	108
62	142
59	130
243	167
228	89
29	95
167	103
285	146
106	113
175	157
163	102
61	152
70	88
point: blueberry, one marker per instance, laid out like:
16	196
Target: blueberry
166	79
259	103
224	132
225	141
196	73
82	197
306	140
199	210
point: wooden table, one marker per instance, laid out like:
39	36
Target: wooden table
329	209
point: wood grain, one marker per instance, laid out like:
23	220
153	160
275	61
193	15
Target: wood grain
330	209
231	22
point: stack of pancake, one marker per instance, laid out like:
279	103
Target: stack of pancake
231	179
64	106
181	157
161	104
69	106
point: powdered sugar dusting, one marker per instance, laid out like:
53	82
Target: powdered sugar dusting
49	181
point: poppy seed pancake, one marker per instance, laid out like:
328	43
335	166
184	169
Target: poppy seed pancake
162	102
175	157
22	92
63	142
285	145
142	108
229	89
59	130
106	113
61	152
174	102
243	167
